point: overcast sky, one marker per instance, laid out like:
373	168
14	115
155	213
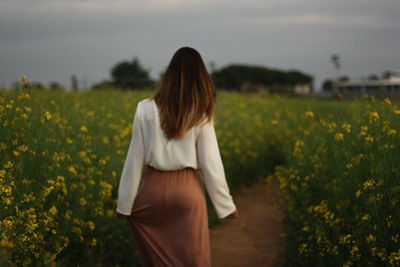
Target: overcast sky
52	39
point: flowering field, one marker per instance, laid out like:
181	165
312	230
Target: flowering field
341	184
62	154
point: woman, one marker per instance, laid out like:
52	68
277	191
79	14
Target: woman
174	138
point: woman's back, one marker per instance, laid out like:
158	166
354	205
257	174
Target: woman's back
198	149
161	153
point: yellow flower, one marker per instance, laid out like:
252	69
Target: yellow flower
24	116
84	129
339	137
331	127
6	243
76	230
369	184
303	248
366	217
93	242
299	144
22	148
345	239
106	191
8	165
53	211
47	115
370	238
369	139
90	225
309	114
394	258
391	132
82	201
397	111
24	96
72	170
24	80
346	127
69	140
105	140
387	101
358	193
355	252
374	115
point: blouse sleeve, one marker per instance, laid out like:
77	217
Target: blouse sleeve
132	170
212	170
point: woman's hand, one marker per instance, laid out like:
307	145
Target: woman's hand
233	215
120	216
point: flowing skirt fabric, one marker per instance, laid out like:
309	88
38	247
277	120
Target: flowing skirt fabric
169	219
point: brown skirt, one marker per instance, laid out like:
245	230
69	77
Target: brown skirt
169	219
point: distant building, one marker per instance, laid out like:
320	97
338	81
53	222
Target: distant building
302	89
388	85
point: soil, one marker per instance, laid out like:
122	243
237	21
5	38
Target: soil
254	238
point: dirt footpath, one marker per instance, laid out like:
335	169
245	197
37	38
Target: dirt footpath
253	239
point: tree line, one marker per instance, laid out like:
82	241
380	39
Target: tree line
239	77
131	75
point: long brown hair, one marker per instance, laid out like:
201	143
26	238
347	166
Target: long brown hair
187	95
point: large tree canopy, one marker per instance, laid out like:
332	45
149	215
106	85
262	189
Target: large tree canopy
235	77
130	75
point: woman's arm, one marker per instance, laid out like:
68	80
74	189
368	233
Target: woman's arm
212	170
132	171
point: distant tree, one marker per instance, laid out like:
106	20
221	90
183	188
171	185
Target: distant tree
56	86
344	78
386	74
74	83
327	85
106	84
38	85
373	77
131	75
296	77
253	78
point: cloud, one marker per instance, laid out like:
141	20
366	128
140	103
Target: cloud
90	35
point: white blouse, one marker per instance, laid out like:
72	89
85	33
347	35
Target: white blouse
197	149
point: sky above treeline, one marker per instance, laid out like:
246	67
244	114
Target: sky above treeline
49	40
